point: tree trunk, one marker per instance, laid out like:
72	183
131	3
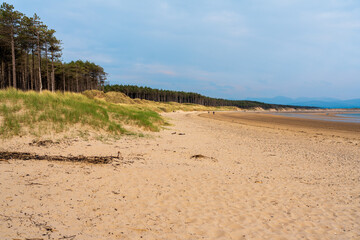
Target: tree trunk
32	70
9	76
2	74
52	73
25	70
64	78
47	68
77	81
39	58
23	78
13	57
88	87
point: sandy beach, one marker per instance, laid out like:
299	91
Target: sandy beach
204	177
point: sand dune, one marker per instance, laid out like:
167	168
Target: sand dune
250	182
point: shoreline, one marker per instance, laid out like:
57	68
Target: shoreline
298	124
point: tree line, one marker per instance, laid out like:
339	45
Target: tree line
160	95
30	57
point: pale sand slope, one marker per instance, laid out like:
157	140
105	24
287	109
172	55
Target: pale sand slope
257	183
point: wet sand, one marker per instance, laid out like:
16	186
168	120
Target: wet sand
271	120
250	180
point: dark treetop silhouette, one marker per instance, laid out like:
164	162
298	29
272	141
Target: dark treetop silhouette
160	95
30	57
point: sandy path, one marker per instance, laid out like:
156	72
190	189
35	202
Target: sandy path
254	183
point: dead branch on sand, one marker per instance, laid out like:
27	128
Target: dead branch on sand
4	156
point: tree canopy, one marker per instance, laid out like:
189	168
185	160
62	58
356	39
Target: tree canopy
160	95
30	57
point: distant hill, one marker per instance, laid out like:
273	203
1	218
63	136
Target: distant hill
311	102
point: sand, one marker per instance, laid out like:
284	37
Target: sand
249	181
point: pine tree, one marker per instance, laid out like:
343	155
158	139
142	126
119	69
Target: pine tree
55	51
39	29
10	19
28	48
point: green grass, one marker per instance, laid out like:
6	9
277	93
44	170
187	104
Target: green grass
146	105
36	113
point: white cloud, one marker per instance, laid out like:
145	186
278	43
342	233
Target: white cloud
98	58
224	17
227	21
154	69
339	19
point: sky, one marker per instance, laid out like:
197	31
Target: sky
233	49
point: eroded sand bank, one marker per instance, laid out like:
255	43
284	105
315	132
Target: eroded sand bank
253	182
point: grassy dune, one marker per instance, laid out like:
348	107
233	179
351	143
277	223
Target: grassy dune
35	113
121	98
23	113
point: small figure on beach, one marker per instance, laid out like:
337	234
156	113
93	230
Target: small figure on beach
213	113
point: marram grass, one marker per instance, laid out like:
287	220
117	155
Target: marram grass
36	113
121	98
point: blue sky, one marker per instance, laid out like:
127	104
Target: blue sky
232	49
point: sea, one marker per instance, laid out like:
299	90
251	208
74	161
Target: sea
350	117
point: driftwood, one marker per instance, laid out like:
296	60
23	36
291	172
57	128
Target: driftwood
4	156
43	143
200	156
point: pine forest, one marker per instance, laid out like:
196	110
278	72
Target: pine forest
30	57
